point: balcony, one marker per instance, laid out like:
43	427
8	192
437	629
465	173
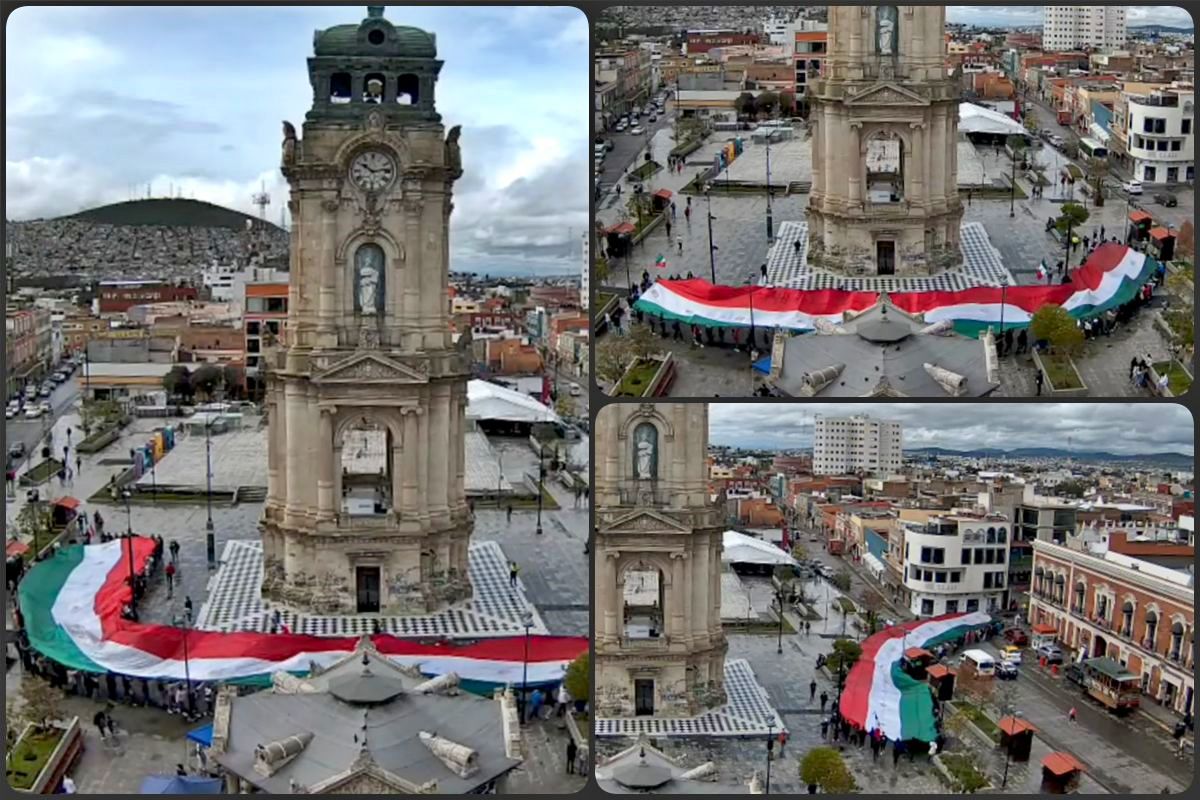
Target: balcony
645	644
1077	610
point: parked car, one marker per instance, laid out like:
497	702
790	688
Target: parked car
1016	636
637	130
1165	199
17	450
46	407
1011	653
11	411
1074	673
576	390
1132	187
653	117
1007	671
46	391
33	412
1051	653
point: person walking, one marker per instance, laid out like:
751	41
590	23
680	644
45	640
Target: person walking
679	244
572	754
812	690
78	464
1071	714
1038	380
672	209
170	573
508	513
100	720
513	569
174	548
824	701
824	728
783	737
667	222
187	609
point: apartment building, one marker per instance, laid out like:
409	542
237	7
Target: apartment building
845	445
953	563
1091	27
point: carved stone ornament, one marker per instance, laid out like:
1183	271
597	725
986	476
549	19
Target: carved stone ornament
375	121
368	339
330	206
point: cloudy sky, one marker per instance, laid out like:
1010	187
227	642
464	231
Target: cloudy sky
1121	428
102	101
1032	15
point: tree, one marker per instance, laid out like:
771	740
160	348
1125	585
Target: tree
178	382
766	103
823	767
1097	169
846	653
233	378
841	580
613	354
642	342
564	406
206	379
799	551
600	269
787	103
578	679
872	605
1072	217
1053	324
43	703
744	104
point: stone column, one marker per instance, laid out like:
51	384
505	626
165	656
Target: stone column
425	460
854	164
325	450
700	583
915	191
330	266
606	594
408	475
295	470
677	598
439	445
410	303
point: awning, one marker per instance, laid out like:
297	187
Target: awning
1042	627
1140	216
939	671
15	547
1062	763
1159	233
202	735
1014	725
621	227
913	653
665	194
67	502
738	548
180	784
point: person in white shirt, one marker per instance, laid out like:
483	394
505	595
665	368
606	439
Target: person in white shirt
68	785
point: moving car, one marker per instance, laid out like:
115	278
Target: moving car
576	390
637	130
1016	636
1165	199
33	412
17	450
46	407
653	117
1011	653
1051	653
1007	671
1132	187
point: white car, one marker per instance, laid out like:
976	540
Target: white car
46	407
33	412
636	130
1132	187
10	412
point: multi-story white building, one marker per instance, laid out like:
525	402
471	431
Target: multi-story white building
844	445
1155	124
955	563
1083	27
584	272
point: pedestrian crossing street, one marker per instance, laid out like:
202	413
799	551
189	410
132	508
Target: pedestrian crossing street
748	712
787	266
495	609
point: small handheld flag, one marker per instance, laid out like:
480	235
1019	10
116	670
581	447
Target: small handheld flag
661	261
1041	270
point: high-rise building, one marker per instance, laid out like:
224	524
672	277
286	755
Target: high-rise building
585	270
1079	27
842	445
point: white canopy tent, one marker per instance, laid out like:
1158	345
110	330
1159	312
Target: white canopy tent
738	548
488	401
977	119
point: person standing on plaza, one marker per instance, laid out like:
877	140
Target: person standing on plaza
783	737
513	569
174	548
679	244
170	573
824	701
1039	379
812	690
187	609
1071	714
572	754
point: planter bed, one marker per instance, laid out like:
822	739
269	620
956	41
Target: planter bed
964	775
637	379
38	763
645	171
1062	379
41	472
99	440
1179	380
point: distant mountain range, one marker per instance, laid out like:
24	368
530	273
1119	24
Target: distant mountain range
1156	28
1167	458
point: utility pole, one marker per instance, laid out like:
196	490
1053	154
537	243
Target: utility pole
712	248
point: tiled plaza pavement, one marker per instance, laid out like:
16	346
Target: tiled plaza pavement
747	712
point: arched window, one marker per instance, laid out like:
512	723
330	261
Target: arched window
1127	618
1039	579
1176	651
645	452
1080	591
340	87
1151	629
408	90
1060	588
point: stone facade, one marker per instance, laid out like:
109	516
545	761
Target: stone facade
660	651
884	118
368	343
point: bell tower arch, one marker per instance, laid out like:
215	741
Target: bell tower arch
366	508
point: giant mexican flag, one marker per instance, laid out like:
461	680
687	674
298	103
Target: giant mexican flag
72	608
878	694
1111	277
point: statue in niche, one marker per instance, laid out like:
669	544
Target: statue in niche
645	447
368	279
885	30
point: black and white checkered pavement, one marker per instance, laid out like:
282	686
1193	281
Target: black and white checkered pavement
787	267
495	609
748	712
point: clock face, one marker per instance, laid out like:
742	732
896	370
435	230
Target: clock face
372	170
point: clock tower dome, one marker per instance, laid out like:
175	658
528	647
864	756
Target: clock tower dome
366	510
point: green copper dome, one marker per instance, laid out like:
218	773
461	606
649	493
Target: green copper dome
375	36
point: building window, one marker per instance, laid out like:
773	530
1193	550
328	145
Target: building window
926	608
1176	145
951	606
255	304
1186	127
955	576
252	328
972	604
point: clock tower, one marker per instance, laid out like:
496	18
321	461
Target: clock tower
366	510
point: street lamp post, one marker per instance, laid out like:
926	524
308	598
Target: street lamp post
210	538
541	484
770	754
1012	194
185	626
527	621
712	248
779	598
770	221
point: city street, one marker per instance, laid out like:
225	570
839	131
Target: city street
627	147
31	431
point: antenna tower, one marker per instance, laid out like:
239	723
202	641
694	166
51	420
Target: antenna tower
262	200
